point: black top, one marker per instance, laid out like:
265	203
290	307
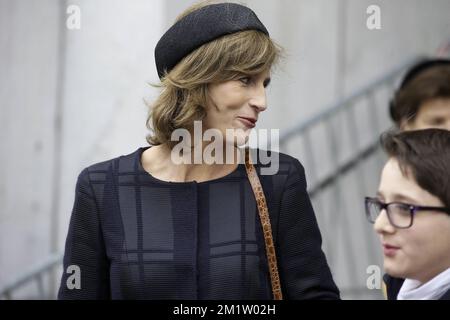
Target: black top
136	237
393	286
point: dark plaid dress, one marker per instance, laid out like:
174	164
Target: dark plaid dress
136	237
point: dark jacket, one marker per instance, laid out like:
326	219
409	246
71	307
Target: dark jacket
393	286
136	237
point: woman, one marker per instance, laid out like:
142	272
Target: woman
423	99
151	225
411	214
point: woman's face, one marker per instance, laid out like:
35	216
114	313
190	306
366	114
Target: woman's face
434	113
237	104
423	250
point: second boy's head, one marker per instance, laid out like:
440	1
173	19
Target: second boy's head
423	99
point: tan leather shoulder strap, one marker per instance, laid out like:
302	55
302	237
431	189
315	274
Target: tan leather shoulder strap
266	226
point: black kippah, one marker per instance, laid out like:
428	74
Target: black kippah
414	72
421	67
202	26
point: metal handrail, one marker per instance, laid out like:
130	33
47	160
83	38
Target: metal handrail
35	273
346	101
343	168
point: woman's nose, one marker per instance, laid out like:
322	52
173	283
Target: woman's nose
259	99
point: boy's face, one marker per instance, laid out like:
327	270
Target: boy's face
434	113
423	250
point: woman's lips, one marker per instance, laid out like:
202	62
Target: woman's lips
248	122
389	250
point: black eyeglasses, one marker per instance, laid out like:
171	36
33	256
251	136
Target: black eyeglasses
400	215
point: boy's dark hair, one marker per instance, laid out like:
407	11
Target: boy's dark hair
427	80
425	154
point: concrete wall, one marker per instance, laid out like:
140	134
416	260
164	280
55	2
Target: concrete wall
29	39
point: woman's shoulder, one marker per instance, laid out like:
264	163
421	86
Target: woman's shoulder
276	163
124	163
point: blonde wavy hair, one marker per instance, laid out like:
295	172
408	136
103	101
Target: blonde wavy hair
185	88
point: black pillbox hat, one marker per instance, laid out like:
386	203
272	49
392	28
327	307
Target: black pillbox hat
202	26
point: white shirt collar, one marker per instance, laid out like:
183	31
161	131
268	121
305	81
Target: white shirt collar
431	290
